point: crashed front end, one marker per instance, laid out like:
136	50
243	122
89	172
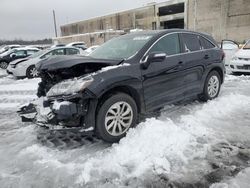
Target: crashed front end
64	99
67	105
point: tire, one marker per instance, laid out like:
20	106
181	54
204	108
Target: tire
212	87
3	65
31	72
111	125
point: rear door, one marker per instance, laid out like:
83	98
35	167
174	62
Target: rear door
195	58
163	81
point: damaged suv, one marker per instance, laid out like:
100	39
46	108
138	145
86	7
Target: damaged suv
126	78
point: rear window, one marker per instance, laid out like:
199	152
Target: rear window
191	42
205	44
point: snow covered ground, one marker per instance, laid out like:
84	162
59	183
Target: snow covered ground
189	145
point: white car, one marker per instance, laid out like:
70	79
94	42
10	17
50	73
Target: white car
240	63
230	48
26	67
9	47
81	45
90	49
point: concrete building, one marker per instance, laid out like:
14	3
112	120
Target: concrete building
223	19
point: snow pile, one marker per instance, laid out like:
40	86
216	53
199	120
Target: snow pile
242	180
13	92
152	147
104	69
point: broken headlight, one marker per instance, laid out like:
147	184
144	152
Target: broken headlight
69	87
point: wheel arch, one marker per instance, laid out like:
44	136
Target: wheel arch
121	89
220	72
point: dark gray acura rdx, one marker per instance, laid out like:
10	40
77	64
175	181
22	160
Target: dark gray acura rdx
127	77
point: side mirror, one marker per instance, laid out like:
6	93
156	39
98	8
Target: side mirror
152	58
13	55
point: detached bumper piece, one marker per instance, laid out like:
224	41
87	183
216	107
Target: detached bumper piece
27	112
58	115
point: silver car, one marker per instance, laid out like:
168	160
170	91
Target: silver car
26	67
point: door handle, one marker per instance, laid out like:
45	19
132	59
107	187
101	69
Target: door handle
206	56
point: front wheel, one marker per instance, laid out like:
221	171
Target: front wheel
212	86
32	72
3	64
116	115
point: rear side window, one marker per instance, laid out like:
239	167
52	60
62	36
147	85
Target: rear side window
169	44
191	42
205	44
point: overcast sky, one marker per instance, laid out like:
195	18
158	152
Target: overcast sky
32	19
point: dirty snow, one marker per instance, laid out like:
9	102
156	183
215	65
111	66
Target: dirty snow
193	144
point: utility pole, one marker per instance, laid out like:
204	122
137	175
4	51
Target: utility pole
54	16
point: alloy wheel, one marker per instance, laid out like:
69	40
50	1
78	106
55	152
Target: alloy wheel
3	65
213	86
33	72
118	118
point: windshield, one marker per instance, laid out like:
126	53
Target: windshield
247	46
121	48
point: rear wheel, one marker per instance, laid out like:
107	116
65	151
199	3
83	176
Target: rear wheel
212	86
32	72
3	64
116	115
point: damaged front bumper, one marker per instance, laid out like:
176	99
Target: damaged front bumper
61	114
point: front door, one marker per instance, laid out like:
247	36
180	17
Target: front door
163	82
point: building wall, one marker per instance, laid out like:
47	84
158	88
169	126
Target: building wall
140	18
94	38
223	19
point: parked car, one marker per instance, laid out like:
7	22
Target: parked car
9	47
90	49
81	45
240	63
230	48
26	67
126	78
14	54
57	45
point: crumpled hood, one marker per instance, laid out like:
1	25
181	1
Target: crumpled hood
17	61
62	62
243	53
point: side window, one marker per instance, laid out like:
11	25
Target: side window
71	51
169	44
205	44
191	42
58	52
47	55
20	53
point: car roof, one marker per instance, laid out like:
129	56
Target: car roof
165	31
26	48
62	47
